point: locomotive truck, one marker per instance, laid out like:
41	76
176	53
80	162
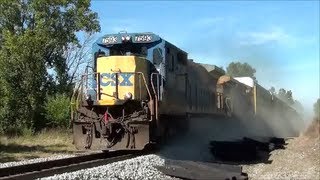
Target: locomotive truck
140	89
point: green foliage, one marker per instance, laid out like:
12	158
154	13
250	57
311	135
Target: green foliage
316	108
298	107
237	69
286	96
58	110
27	132
23	73
34	35
272	90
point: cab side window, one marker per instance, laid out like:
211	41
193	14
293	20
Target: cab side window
144	51
170	60
172	64
157	56
182	58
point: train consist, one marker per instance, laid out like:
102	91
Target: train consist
141	89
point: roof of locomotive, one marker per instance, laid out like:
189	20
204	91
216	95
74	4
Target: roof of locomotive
210	67
245	80
109	40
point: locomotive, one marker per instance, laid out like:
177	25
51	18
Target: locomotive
140	89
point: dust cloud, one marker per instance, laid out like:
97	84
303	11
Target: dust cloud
194	144
273	122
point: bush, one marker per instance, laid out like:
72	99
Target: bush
58	111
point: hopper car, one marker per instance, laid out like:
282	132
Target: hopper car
140	89
258	108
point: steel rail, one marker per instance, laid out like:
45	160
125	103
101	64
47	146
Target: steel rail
59	166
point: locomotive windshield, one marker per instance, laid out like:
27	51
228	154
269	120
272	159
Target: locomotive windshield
128	49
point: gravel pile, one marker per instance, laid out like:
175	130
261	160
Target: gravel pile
36	160
136	168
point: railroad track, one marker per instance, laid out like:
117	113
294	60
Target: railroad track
59	166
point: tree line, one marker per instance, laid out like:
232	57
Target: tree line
38	60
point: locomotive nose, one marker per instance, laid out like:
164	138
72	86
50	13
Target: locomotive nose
122	78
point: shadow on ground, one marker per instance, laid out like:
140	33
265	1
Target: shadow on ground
195	151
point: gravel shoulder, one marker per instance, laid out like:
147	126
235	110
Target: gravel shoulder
137	168
300	160
35	160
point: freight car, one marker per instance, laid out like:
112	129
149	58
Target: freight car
140	90
261	110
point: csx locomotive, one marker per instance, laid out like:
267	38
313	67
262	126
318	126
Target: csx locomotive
140	89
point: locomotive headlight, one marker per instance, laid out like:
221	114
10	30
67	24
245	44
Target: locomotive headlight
128	38
128	96
123	38
88	97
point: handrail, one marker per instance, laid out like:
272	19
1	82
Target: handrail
155	93
97	79
143	77
117	83
74	104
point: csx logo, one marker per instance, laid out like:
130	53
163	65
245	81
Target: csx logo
109	79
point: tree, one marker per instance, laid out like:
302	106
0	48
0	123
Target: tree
77	57
282	94
286	96
316	108
298	107
289	97
272	90
34	36
237	69
57	111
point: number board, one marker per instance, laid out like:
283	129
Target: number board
143	38
110	39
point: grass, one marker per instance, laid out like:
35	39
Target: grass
43	144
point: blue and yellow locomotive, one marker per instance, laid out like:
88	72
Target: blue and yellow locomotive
142	89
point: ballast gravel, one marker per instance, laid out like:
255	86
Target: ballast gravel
300	160
141	167
35	160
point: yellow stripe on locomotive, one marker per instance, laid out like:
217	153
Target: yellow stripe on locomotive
121	78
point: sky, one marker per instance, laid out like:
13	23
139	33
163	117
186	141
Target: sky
280	39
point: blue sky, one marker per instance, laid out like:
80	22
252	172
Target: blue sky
279	39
